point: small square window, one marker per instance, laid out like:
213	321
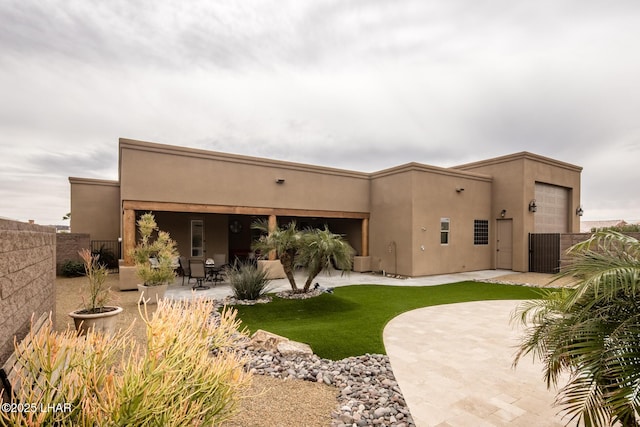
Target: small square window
480	232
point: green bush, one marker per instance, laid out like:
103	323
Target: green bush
247	281
72	269
623	228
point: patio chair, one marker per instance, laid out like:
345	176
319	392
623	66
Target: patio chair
197	271
220	262
184	268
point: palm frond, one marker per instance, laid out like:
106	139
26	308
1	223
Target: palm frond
591	332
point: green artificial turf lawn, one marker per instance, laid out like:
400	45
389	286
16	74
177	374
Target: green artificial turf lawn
350	321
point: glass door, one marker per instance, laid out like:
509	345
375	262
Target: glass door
197	238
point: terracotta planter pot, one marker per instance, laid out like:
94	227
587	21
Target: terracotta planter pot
104	322
152	294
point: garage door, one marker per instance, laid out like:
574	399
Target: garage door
552	215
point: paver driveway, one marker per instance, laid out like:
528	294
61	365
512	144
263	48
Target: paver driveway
453	365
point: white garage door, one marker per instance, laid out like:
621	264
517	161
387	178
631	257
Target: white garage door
552	215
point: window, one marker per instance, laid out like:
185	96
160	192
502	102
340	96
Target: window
197	238
480	232
444	231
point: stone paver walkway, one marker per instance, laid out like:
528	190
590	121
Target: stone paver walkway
453	365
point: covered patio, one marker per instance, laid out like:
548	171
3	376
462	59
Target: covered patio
203	230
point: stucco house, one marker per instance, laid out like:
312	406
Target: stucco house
413	219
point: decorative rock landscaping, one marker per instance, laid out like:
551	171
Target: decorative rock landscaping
369	393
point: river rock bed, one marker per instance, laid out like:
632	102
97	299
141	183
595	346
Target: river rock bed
369	394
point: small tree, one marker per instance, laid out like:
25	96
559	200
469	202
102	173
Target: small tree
313	249
322	249
286	243
162	248
592	332
96	273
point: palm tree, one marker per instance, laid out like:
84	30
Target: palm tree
321	250
286	243
312	249
592	332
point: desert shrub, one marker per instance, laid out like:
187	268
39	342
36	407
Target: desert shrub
72	269
162	248
106	380
624	228
247	281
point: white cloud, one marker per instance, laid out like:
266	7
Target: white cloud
362	85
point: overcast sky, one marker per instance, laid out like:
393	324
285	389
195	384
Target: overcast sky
362	85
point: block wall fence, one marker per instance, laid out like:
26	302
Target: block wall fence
27	278
67	247
569	239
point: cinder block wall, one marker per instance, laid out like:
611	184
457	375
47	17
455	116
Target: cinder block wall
27	278
569	239
67	247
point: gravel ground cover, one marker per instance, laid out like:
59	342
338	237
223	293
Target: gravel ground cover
271	402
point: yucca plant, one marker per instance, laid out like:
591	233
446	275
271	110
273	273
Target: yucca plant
592	332
247	281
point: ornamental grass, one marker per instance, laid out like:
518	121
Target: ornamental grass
188	374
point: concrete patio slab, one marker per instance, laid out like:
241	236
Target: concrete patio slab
334	279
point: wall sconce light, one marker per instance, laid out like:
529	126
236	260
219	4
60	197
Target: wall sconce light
280	181
459	189
579	211
503	212
532	206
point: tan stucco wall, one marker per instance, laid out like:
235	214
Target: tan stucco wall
178	225
514	179
95	208
404	204
160	173
407	205
390	224
435	197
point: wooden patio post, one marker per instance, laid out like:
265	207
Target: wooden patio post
365	236
128	234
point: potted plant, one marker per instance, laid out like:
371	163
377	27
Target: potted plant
95	312
155	259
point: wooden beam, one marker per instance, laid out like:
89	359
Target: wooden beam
238	210
365	236
128	234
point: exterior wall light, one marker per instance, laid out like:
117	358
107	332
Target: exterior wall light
503	212
579	211
532	206
459	189
280	181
